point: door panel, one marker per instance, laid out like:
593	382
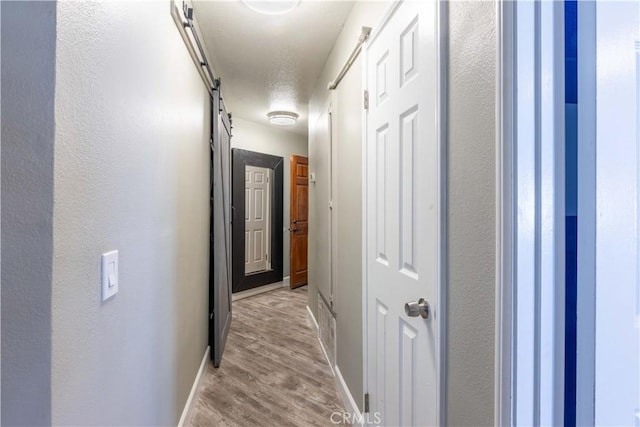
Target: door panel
403	216
299	218
256	219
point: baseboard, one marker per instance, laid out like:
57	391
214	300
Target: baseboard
260	289
316	326
195	388
312	320
348	401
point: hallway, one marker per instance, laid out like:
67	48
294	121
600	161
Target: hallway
455	185
273	370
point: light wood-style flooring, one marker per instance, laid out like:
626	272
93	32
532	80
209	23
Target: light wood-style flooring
273	372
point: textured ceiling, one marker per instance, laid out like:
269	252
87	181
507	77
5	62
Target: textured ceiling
269	62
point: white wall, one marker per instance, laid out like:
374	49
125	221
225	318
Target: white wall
28	81
347	120
260	138
132	174
471	213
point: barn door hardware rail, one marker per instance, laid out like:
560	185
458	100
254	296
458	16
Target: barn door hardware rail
188	14
364	35
189	30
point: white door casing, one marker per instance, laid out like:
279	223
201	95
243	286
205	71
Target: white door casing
403	215
257	196
530	230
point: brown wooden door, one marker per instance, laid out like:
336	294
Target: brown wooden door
299	220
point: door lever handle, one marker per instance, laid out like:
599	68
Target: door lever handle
293	230
295	221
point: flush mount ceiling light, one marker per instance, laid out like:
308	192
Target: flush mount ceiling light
266	7
282	118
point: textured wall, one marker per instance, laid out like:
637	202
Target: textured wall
278	142
28	81
131	173
471	214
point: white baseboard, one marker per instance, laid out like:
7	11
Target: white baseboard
316	326
261	289
195	388
312	320
348	401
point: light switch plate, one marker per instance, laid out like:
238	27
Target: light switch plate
109	274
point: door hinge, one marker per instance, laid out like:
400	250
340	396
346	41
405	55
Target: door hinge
366	99
366	403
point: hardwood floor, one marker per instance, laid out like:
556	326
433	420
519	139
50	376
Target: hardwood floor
273	372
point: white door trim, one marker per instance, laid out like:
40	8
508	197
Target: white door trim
529	387
505	209
586	274
442	43
441	341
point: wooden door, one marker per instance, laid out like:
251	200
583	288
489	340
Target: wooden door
402	214
299	220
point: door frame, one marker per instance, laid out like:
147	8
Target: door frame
239	159
530	211
441	130
505	209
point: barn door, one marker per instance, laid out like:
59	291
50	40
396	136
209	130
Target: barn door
220	247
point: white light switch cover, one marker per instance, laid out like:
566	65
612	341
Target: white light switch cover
109	274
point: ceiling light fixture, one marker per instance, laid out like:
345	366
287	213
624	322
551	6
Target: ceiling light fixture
282	118
266	7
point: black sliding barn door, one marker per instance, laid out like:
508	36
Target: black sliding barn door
220	226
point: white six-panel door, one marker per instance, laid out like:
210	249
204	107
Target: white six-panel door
256	213
402	216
